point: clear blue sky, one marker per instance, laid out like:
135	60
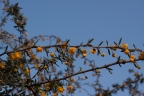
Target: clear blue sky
80	20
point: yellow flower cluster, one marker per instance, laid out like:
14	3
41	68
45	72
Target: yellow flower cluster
72	50
84	52
141	56
2	66
70	89
132	58
60	89
39	49
125	47
93	51
15	55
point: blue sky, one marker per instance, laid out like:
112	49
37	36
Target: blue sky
80	20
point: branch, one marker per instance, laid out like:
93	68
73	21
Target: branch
85	71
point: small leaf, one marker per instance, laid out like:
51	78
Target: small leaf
135	64
67	41
120	41
98	52
36	41
109	70
6	48
107	42
109	51
81	43
100	43
49	77
120	65
90	40
115	43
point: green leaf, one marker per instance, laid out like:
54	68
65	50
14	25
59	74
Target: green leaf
109	70
120	41
81	43
67	41
100	43
109	51
98	52
135	64
6	48
134	46
107	42
90	40
115	43
36	41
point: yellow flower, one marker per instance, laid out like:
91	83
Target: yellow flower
113	55
136	74
32	56
39	49
102	54
84	53
52	54
60	89
141	56
72	79
2	66
139	67
132	60
45	67
72	50
17	55
70	89
20	65
55	94
15	70
93	51
12	56
27	71
66	63
47	86
42	93
126	51
19	23
124	46
124	84
132	56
